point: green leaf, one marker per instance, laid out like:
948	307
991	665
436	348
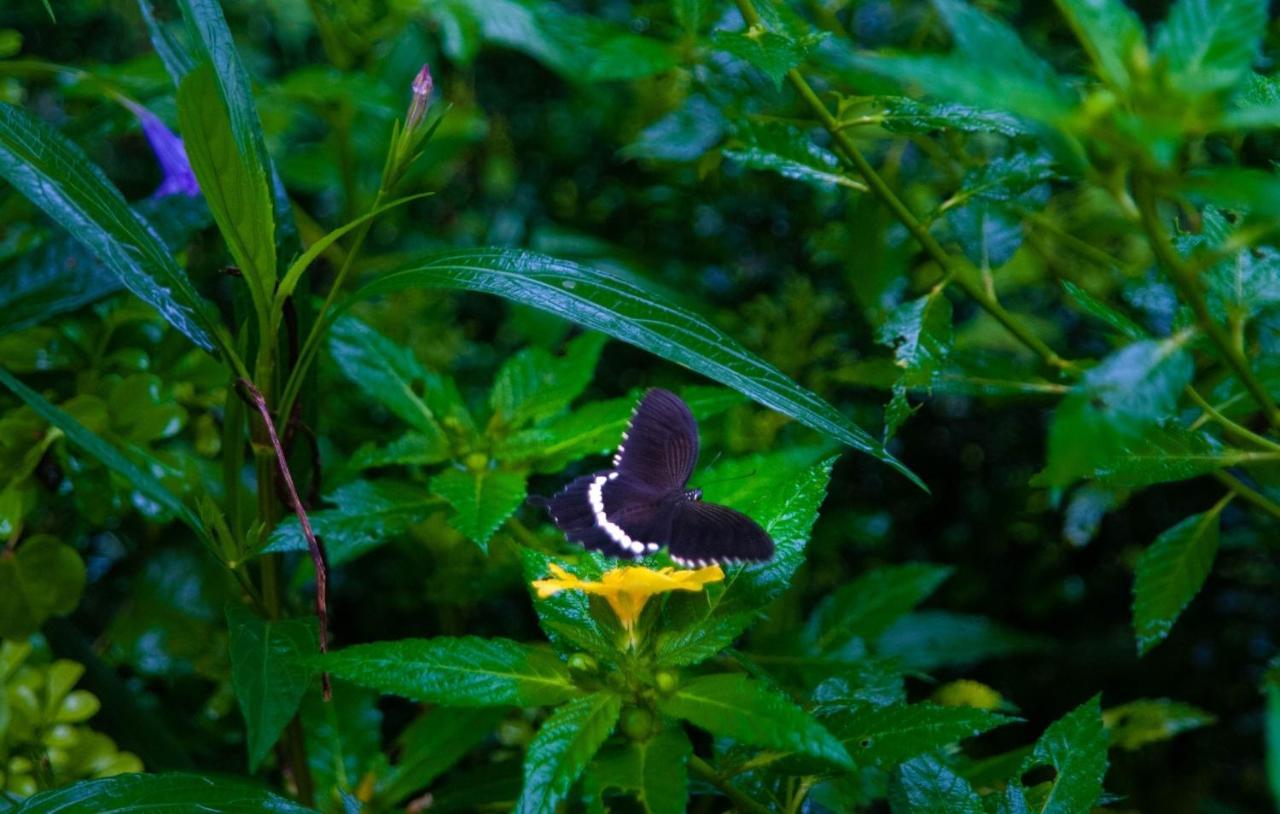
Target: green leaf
1249	191
627	56
771	52
270	673
1170	453
749	712
594	428
919	332
482	500
789	152
927	640
1103	312
924	785
58	178
698	627
44	577
655	769
903	115
1151	720
1076	747
1132	391
431	745
425	400
210	41
464	672
563	747
631	314
867	606
533	385
160	794
97	447
1170	573
232	179
883	736
689	14
366	514
413	448
1209	45
1271	689
1111	33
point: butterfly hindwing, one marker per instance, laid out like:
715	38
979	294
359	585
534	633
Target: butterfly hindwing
612	513
660	446
706	533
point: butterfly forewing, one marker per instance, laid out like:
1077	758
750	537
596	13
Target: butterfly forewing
660	446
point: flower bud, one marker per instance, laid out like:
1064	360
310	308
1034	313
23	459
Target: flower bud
666	682
583	663
422	85
637	723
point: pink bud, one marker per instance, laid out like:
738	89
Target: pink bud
421	98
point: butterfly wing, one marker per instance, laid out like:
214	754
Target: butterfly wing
660	445
613	513
705	533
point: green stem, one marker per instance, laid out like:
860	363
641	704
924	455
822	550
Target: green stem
1230	426
736	796
1188	286
854	157
1243	490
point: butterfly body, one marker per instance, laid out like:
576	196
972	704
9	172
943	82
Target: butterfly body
642	504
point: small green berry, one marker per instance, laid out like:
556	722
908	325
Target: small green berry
666	681
637	723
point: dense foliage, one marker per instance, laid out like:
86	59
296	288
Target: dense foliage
976	304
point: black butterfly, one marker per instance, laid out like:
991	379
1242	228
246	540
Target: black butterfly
641	504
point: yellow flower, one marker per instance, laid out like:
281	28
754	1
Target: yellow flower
627	589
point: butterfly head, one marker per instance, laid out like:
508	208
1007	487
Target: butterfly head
693	494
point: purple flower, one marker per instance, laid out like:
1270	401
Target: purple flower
170	154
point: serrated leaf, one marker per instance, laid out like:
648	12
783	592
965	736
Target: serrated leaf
432	744
1170	573
867	606
43	578
655	769
1111	33
631	314
749	712
771	52
698	627
1076	747
270	673
1130	392
232	179
464	672
789	152
1170	453
904	115
58	178
482	500
533	385
1209	45
423	399
413	448
563	747
883	736
924	785
919	333
927	640
140	793
1151	720
365	515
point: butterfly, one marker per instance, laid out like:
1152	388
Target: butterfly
641	504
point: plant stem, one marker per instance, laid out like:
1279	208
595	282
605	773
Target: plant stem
854	157
1188	286
1243	490
1230	426
736	796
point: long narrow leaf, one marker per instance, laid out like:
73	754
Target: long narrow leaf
627	312
59	178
